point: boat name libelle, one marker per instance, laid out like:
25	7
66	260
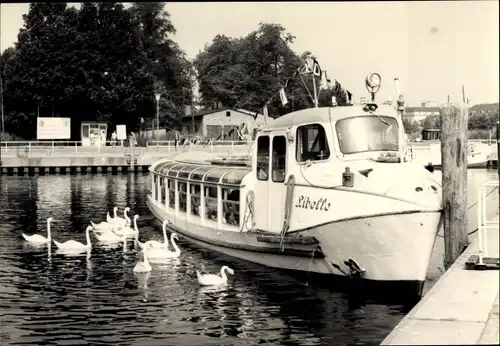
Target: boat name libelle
305	202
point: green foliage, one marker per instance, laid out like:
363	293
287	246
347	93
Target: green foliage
101	62
410	126
432	122
481	117
247	72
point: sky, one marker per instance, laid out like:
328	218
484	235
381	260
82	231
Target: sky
433	48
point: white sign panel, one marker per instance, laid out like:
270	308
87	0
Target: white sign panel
53	128
121	132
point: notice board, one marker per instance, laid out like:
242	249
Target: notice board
53	128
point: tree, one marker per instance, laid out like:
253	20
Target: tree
410	126
248	72
170	69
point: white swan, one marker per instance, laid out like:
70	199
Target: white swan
37	239
110	237
127	230
73	246
119	220
143	267
154	243
164	252
212	280
102	226
109	219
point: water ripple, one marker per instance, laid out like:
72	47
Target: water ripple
48	298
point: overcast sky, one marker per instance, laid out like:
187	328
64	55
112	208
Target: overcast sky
432	47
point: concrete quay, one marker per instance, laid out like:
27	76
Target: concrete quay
462	308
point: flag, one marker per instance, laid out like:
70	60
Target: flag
324	82
316	69
284	101
348	97
264	111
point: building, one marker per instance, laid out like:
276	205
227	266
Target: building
221	123
418	114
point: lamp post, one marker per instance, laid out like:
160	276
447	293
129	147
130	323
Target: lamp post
157	97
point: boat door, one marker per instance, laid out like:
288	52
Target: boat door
270	188
277	184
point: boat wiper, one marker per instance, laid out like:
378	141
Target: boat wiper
381	119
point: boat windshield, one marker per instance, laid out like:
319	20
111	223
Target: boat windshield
367	133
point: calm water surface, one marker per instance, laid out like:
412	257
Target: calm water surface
47	298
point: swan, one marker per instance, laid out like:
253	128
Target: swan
164	252
110	237
154	243
102	226
109	219
120	220
127	230
143	267
72	245
212	280
37	239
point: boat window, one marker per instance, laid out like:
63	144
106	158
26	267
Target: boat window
153	188
312	143
235	176
200	172
279	159
174	170
215	174
367	133
231	206
263	158
195	190
163	195
184	172
163	168
211	203
182	196
171	193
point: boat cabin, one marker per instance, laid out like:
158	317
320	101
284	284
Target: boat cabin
201	193
314	146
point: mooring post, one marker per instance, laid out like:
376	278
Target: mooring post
454	182
131	141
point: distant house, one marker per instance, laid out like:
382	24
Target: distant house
418	114
219	123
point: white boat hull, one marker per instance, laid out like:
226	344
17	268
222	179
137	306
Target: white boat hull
393	249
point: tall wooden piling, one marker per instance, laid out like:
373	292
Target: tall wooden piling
454	120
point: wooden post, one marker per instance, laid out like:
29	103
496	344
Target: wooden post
131	145
454	184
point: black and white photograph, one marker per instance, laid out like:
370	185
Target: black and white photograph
249	173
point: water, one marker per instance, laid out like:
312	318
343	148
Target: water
49	299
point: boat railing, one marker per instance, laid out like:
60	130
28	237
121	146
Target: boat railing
484	225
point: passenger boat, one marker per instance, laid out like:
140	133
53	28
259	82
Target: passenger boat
429	150
325	190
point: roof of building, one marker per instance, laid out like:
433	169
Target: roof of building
325	114
211	111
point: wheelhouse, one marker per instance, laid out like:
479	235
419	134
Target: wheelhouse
201	193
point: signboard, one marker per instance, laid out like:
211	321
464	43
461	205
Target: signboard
121	132
53	128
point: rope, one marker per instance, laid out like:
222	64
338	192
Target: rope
249	212
288	210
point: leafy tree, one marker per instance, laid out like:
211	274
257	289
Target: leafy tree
432	122
247	72
410	126
171	71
